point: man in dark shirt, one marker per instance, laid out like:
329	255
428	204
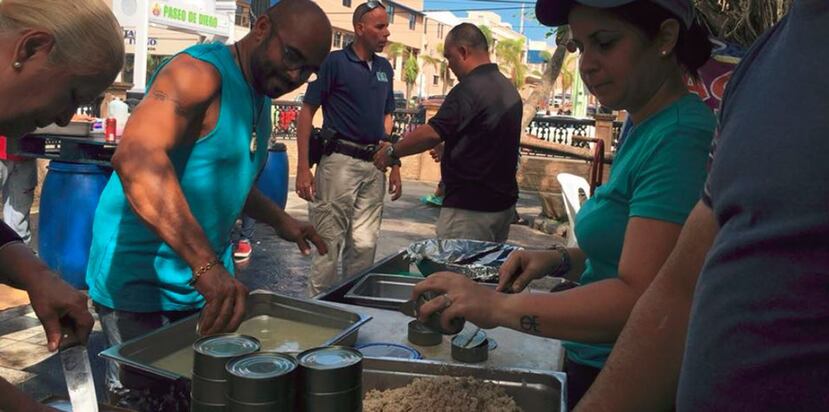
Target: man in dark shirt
738	317
355	90
480	124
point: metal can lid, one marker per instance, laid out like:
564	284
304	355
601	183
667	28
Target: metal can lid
226	346
262	365
331	357
389	350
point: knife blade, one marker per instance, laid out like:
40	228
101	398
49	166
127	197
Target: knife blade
78	373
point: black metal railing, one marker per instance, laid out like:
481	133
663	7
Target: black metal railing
285	114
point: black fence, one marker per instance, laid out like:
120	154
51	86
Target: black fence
556	129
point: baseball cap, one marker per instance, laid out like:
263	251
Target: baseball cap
554	12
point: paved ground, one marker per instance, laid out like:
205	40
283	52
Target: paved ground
276	265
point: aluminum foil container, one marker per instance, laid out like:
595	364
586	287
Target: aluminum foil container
475	259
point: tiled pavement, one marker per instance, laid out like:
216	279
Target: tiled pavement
276	265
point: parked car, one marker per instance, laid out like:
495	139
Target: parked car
399	100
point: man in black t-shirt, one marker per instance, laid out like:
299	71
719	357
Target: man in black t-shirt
480	124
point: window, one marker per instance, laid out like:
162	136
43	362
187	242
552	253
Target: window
338	39
435	80
425	24
440	31
412	21
390	11
347	3
348	38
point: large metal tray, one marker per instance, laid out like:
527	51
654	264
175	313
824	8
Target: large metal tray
140	353
384	291
533	390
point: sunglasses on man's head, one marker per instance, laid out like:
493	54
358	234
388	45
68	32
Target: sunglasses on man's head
370	5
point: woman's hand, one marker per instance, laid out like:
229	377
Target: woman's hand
524	266
461	298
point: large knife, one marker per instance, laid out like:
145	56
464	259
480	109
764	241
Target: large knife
78	373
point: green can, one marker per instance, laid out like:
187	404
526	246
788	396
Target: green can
262	377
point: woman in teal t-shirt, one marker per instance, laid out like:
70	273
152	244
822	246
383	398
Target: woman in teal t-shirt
633	58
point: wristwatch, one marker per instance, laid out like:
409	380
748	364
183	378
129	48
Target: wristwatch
395	160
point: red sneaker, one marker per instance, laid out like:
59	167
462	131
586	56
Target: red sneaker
243	249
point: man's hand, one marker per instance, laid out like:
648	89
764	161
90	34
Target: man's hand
305	184
295	231
381	157
52	300
225	301
437	153
395	183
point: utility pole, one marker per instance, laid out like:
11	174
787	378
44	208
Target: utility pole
521	25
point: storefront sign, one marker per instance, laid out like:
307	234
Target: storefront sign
177	16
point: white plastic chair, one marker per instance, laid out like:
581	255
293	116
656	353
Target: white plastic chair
570	186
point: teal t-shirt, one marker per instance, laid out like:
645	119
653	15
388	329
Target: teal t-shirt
130	268
658	173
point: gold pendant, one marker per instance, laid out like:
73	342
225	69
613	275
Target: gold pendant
253	142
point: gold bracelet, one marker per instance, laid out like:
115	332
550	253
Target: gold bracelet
202	270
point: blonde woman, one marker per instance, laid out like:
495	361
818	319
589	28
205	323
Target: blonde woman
54	56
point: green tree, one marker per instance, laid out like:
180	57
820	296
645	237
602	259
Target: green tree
395	50
488	34
410	72
510	54
546	55
551	73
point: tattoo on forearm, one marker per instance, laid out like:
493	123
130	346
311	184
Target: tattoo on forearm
163	97
530	324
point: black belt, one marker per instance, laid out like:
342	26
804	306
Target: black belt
355	150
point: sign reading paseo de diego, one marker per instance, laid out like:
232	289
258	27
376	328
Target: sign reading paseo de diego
177	16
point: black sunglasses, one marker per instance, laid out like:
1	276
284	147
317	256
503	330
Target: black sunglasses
370	5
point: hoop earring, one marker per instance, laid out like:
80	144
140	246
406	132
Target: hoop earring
17	65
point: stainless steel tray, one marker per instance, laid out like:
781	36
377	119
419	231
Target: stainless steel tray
142	352
533	390
383	291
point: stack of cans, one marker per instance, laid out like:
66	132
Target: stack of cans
211	354
261	382
330	379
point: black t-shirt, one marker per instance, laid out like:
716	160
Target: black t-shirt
480	124
758	337
7	235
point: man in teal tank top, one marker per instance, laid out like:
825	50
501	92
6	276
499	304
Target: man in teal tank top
184	171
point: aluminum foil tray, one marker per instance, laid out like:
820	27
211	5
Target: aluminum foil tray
383	291
141	353
532	390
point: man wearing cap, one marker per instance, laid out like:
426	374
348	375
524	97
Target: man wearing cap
480	124
355	90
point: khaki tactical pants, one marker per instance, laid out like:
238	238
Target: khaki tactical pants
346	212
469	224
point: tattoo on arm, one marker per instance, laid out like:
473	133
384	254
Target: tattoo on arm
163	97
529	323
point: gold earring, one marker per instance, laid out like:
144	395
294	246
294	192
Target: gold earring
17	65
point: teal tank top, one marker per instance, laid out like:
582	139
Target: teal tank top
130	267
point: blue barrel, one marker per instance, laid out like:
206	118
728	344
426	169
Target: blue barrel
273	181
67	207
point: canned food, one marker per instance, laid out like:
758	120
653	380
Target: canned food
477	351
421	335
263	377
211	353
110	129
197	406
207	390
348	401
330	369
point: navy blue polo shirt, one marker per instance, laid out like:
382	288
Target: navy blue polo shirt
354	97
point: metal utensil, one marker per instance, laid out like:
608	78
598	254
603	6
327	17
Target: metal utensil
77	372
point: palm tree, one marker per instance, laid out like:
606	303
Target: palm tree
510	54
488	34
551	73
741	21
444	71
395	50
410	72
